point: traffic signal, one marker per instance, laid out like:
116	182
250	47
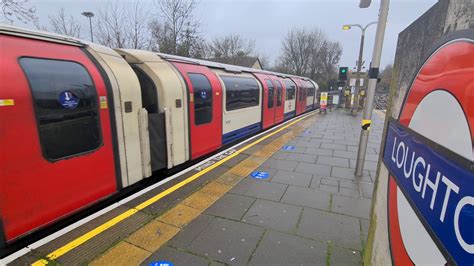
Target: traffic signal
341	83
343	73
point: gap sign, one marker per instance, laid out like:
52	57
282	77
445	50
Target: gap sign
439	189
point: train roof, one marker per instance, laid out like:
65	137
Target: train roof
53	37
41	35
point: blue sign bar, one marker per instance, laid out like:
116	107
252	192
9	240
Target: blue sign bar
440	189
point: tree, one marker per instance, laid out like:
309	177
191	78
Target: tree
231	48
324	66
19	10
310	54
177	33
120	26
385	77
62	24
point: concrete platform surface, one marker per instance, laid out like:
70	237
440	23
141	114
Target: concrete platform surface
305	207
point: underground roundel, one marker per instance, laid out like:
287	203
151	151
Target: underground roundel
429	154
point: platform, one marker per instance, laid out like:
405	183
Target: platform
288	196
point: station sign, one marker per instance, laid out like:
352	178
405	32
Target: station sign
439	189
429	154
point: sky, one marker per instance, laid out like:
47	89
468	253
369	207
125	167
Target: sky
268	21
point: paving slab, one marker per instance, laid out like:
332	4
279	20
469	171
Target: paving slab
227	241
320	170
280	164
231	206
307	197
302	157
275	215
343	256
330	227
292	178
260	189
351	206
319	151
278	248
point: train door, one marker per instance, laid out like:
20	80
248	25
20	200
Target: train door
310	95
279	100
301	97
290	99
57	150
269	99
205	108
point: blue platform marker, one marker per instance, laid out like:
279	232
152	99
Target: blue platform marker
288	148
161	263
307	132
260	175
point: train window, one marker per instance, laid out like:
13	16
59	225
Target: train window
279	88
202	98
148	91
271	93
241	92
290	89
65	101
310	88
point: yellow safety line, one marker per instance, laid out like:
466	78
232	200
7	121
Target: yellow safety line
98	230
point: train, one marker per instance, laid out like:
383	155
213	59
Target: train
79	122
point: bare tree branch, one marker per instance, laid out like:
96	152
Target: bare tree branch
65	25
121	26
310	54
178	32
19	10
229	49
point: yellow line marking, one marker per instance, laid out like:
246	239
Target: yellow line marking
98	230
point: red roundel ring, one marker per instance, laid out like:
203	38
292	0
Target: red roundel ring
440	107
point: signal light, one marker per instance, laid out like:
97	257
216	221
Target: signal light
343	73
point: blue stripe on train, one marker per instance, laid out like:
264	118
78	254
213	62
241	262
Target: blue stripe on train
290	115
240	133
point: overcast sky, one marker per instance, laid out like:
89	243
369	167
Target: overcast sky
267	21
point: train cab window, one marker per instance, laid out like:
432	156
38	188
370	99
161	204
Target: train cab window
271	93
202	98
279	88
310	88
148	91
65	101
241	92
290	90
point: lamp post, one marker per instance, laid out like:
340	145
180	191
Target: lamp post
373	75
89	15
359	62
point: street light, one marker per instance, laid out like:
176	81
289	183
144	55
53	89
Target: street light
89	15
373	75
359	63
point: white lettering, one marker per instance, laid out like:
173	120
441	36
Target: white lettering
410	169
433	186
450	186
401	145
418	161
463	202
393	150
